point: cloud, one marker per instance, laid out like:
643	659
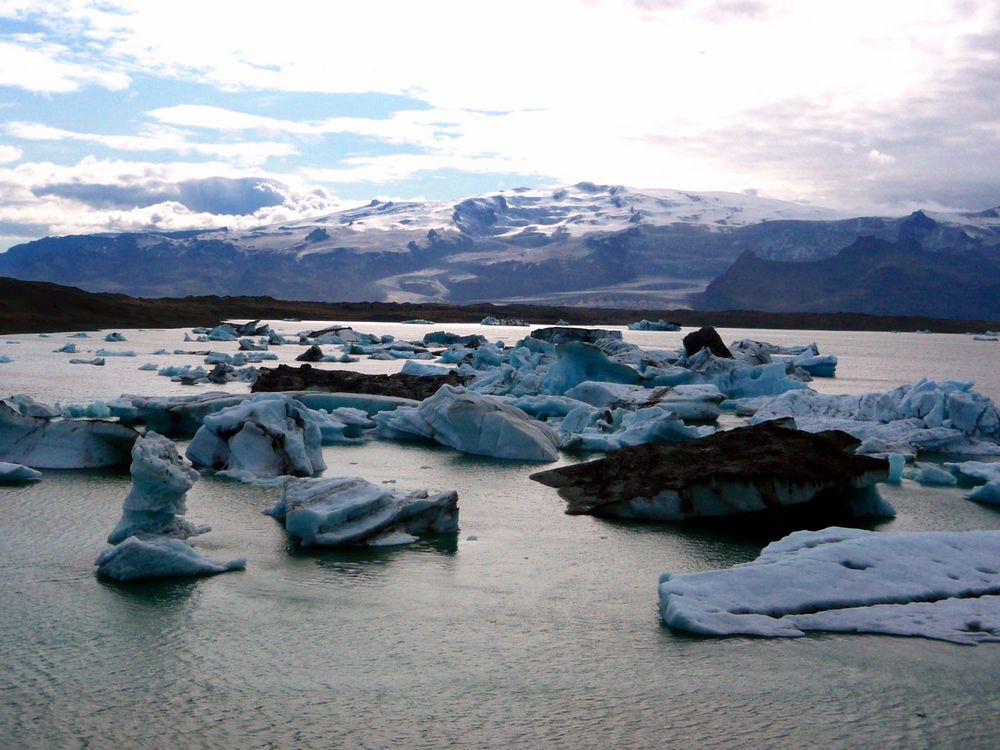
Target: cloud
881	159
9	154
244	152
31	64
39	198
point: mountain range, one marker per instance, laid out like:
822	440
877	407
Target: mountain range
586	244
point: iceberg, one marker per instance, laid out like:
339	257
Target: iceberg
17	473
929	417
222	333
348	510
115	336
654	325
578	362
930	584
767	469
68	348
160	480
267	435
27	406
589	429
98	361
114	353
158	557
697	402
63	444
985	475
5	360
472	423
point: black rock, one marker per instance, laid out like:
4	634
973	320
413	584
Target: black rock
312	354
306	377
706	338
765	469
562	334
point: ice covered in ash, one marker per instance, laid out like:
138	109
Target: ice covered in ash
928	417
160	481
932	584
158	557
472	423
16	473
349	510
267	435
98	361
63	444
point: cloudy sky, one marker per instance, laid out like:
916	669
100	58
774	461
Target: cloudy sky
122	115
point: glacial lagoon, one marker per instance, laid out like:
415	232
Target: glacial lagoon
529	628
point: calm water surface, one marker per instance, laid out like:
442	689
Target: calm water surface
543	632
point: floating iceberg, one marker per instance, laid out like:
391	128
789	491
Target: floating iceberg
267	435
769	468
698	402
472	423
17	473
98	361
929	417
158	557
27	406
578	362
986	475
63	444
588	429
160	480
114	353
935	584
654	325
115	336
68	348
349	510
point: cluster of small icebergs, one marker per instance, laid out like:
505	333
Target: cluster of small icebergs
653	412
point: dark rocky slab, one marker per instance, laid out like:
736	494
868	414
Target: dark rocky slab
307	377
765	467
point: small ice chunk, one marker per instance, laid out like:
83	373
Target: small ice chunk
158	557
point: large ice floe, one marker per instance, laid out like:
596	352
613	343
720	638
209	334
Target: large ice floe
985	477
472	423
148	537
348	510
929	417
63	444
267	435
933	584
772	470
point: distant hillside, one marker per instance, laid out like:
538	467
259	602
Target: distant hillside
30	306
871	276
584	245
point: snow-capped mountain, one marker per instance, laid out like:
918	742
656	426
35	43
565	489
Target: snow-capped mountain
581	244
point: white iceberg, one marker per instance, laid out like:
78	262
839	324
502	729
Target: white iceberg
63	444
472	423
160	480
929	417
349	510
577	362
940	585
158	557
267	435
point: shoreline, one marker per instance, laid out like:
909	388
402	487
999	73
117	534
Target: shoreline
43	307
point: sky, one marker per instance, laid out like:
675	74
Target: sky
125	115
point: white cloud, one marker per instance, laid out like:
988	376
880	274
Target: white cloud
246	152
40	67
9	154
877	157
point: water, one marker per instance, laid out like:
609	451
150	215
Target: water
542	633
